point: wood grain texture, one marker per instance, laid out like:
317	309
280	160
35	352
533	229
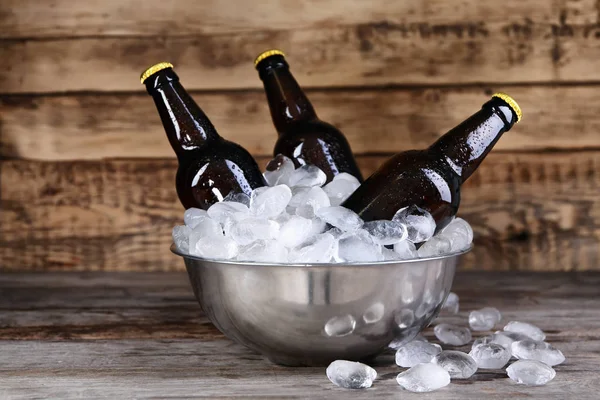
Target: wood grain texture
117	360
63	18
95	126
340	44
529	211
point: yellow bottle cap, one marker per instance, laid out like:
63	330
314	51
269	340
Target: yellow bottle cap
512	103
154	69
266	54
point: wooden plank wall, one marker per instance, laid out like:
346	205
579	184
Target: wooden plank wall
86	173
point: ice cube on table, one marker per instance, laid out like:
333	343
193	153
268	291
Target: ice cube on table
416	352
350	374
223	211
458	364
452	334
483	340
530	372
435	246
484	319
269	202
252	229
318	249
530	330
529	349
452	303
490	356
419	223
406	250
504	339
314	199
193	215
307	176
270	251
181	238
339	326
459	233
340	217
386	232
242	198
423	378
279	170
340	188
358	246
215	247
295	231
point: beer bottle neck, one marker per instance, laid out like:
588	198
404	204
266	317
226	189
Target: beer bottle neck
465	146
287	102
186	125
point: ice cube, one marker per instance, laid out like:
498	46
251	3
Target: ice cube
341	187
307	176
386	232
490	356
205	226
435	246
483	340
181	237
192	216
318	226
484	319
340	325
318	249
452	334
406	250
529	349
350	374
314	199
238	198
225	210
423	378
458	364
297	200
269	251
390	255
526	329
269	202
295	231
374	313
459	233
530	372
279	170
452	303
252	229
358	246
340	217
419	223
416	352
215	247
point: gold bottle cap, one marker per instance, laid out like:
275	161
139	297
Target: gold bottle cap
512	103
154	69
266	54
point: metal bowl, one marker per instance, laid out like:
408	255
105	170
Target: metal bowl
310	315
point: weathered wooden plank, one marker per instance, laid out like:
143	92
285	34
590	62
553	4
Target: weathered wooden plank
529	211
549	43
22	18
93	126
172	367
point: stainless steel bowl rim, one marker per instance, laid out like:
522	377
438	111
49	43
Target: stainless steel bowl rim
174	250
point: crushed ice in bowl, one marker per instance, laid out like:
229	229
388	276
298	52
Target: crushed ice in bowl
299	219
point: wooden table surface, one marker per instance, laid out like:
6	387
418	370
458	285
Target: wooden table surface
142	335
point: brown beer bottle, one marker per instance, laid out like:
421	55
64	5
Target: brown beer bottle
303	137
210	167
431	178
